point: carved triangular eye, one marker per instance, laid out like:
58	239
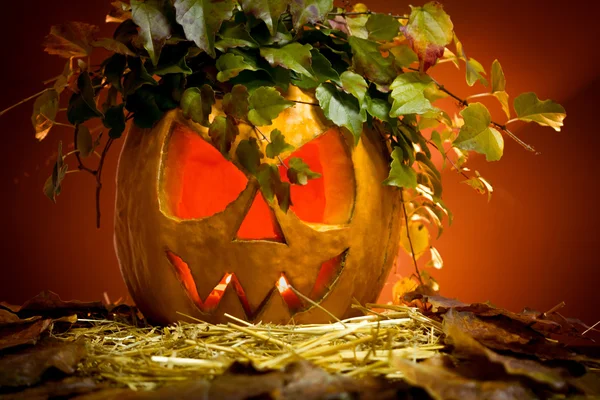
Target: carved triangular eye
198	180
330	198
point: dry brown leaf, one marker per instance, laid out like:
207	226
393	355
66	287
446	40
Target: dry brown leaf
72	39
21	334
442	384
26	367
401	288
65	388
49	303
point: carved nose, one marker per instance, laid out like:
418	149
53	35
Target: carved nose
260	223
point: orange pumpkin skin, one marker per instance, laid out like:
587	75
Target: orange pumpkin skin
177	246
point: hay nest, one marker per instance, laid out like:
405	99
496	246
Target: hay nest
146	358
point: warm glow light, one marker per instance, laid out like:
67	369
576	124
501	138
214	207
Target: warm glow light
228	279
282	285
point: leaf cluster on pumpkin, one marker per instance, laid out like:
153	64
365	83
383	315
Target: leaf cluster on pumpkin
366	70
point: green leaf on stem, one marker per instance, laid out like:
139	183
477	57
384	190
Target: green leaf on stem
429	30
235	103
52	186
113	46
114	120
499	86
196	103
44	113
322	69
85	142
433	178
154	27
369	62
222	132
173	61
341	108
477	135
354	84
249	155
82	105
474	69
272	187
230	65
137	76
299	172
404	56
294	56
233	36
277	145
267	10
378	108
265	105
408	94
309	11
382	27
201	19
114	67
401	175
530	108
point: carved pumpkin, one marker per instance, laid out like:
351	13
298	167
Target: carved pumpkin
194	235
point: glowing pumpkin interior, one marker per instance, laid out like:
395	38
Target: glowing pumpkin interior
200	182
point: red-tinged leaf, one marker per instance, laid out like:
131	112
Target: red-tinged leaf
72	39
429	30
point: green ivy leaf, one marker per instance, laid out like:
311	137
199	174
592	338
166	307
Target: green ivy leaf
299	172
85	142
322	69
114	67
309	11
401	175
154	26
137	77
233	36
113	46
529	108
52	186
475	72
196	103
266	10
114	119
82	105
294	56
201	19
404	56
408	94
432	177
354	84
341	108
499	86
235	103
369	62
382	27
356	26
145	108
265	105
272	187
278	145
172	61
477	135
230	65
44	113
429	30
378	108
249	155
222	132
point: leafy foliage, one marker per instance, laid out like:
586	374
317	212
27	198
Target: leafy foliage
359	66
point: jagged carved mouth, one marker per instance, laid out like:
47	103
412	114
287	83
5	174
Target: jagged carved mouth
295	301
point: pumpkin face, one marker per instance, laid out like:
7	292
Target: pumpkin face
195	236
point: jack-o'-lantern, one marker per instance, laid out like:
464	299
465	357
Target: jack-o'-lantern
195	235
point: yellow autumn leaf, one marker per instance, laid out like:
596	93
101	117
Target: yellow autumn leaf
419	238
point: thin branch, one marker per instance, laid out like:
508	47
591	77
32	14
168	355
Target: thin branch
460	171
412	251
465	103
80	165
99	179
306	102
268	141
24	101
368	12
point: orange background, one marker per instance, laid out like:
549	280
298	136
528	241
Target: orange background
533	245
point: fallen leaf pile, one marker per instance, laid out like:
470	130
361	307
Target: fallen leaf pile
489	353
